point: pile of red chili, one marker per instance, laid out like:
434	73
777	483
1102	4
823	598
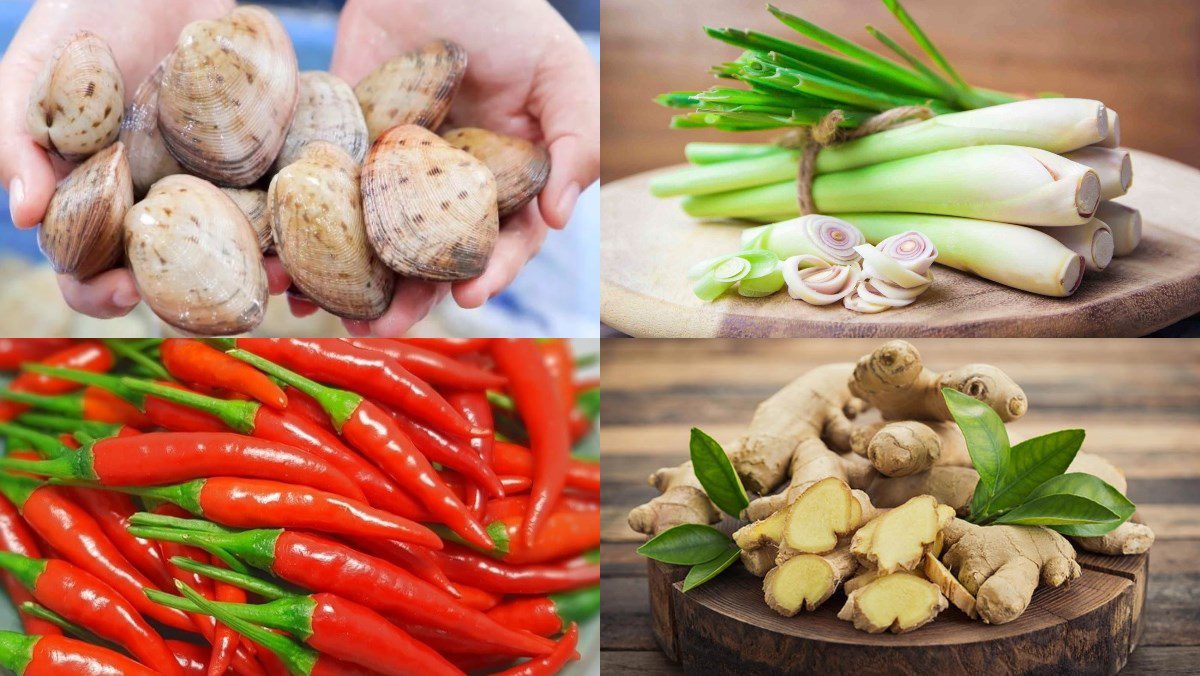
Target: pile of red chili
297	506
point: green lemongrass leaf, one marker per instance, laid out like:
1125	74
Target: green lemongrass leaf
1058	511
1093	488
687	544
1031	464
948	91
677	99
701	573
716	474
987	443
757	69
923	40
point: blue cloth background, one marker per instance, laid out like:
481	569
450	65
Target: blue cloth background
557	294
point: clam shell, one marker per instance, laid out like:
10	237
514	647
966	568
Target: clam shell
430	208
317	221
195	258
228	94
253	203
413	88
521	168
327	111
149	159
81	232
78	99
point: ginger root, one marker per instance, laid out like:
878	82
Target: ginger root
683	500
899	539
898	602
824	512
1128	538
1003	565
951	588
760	561
864	577
805	581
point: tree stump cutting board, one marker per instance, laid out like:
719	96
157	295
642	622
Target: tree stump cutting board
648	244
724	627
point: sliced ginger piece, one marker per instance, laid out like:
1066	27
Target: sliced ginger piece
763	532
805	581
898	602
862	579
952	589
824	512
899	539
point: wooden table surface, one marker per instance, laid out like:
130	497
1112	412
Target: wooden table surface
1138	400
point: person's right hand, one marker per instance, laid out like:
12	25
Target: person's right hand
140	33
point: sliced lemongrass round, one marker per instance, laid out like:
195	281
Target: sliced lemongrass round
911	249
765	276
813	280
878	265
707	265
854	301
708	289
815	234
880	292
732	270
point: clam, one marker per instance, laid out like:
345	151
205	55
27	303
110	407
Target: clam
228	94
327	111
317	221
253	203
520	167
195	258
81	232
413	88
430	208
149	159
78	99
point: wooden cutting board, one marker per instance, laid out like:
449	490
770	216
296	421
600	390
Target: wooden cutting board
724	627
648	244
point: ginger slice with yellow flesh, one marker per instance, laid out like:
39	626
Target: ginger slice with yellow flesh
951	588
900	538
805	581
898	602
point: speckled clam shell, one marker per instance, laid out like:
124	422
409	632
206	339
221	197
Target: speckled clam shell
253	203
521	168
327	111
228	95
413	88
78	99
195	258
430	208
317	221
81	232
149	159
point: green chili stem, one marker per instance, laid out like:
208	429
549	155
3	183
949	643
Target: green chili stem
131	353
235	413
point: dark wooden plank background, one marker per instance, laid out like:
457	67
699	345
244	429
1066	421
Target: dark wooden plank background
1140	57
1139	401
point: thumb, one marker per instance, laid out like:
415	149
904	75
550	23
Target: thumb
25	168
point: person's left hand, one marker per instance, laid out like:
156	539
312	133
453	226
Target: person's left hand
528	75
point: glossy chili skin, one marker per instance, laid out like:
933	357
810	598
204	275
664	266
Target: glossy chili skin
548	615
112	511
565	534
61	656
352	632
17	351
515	506
16	537
104	406
370	373
415	559
179	418
88	356
305	406
195	362
225	640
474	406
454	347
510	458
479	570
550	664
452	453
433	367
191	657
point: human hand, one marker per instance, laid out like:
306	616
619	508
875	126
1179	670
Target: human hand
528	75
140	33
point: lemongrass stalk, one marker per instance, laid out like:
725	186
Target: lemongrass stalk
1013	255
1010	184
1092	240
828	238
1125	224
1112	166
1113	138
1055	125
713	153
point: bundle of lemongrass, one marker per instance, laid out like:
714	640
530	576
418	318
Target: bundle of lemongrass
1015	191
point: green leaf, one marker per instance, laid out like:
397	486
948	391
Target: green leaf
1092	488
687	544
1031	464
716	474
987	442
701	573
1057	511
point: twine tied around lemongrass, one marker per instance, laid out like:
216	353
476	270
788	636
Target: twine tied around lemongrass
811	139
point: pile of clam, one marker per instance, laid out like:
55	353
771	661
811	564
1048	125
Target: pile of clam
359	187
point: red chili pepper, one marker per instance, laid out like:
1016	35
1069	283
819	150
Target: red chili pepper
373	374
434	368
478	570
474	406
195	362
17	351
90	356
517	505
323	565
192	657
76	537
225	640
513	459
512	485
15	537
478	599
259	503
548	615
112	511
545	416
560	363
375	434
445	451
61	656
166	457
552	663
565	534
416	559
86	600
453	347
305	406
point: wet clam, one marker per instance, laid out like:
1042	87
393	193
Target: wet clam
195	258
253	203
81	232
430	208
149	159
327	111
228	95
520	167
317	221
413	88
78	99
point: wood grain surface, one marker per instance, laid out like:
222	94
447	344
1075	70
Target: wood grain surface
1138	401
649	244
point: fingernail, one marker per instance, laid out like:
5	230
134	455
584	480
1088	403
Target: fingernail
566	203
125	298
16	195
